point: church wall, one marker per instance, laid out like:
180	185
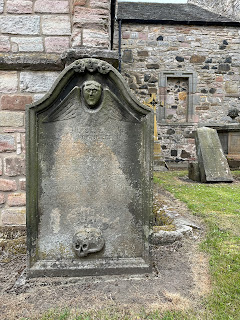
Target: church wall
207	57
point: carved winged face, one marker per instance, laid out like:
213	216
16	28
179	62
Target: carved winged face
92	91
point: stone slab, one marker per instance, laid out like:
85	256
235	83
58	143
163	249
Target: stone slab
31	81
213	165
14	217
11	119
89	268
32	61
22	25
193	171
89	167
28	44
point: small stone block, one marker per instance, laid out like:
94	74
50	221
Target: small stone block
16	200
8	81
14	166
11	119
56	25
15	102
14	217
152	66
19	6
36	82
127	56
56	44
46	6
197	59
7	143
79	2
22	25
28	44
8	185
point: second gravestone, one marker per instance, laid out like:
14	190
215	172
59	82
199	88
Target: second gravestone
89	162
212	165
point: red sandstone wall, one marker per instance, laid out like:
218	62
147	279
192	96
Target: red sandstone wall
91	19
34	35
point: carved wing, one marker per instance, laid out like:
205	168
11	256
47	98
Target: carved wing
116	110
67	108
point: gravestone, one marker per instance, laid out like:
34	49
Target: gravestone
89	163
212	163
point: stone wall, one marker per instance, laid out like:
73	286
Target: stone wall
34	26
17	89
208	57
34	37
91	23
229	8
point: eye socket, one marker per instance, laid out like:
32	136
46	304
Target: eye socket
84	246
77	246
91	90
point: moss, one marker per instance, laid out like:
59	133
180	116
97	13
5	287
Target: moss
169	227
161	220
14	246
12	232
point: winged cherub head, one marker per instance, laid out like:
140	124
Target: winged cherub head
92	91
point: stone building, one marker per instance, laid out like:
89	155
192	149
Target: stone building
184	53
189	57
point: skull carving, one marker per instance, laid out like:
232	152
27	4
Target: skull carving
87	240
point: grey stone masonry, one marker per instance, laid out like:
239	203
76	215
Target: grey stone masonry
1	5
24	25
158	57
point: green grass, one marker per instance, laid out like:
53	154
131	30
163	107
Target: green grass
219	206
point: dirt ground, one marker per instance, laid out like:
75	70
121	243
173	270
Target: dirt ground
179	279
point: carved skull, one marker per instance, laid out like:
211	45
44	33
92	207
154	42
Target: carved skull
87	240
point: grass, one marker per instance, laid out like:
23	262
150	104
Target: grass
219	207
110	314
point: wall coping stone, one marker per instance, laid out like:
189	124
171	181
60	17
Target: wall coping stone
32	61
109	56
53	62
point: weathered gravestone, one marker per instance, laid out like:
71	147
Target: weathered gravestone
89	162
212	165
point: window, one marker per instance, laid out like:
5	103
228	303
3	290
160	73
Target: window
176	96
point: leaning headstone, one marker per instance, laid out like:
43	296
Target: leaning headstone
89	163
213	165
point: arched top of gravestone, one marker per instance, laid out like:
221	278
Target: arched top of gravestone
91	74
